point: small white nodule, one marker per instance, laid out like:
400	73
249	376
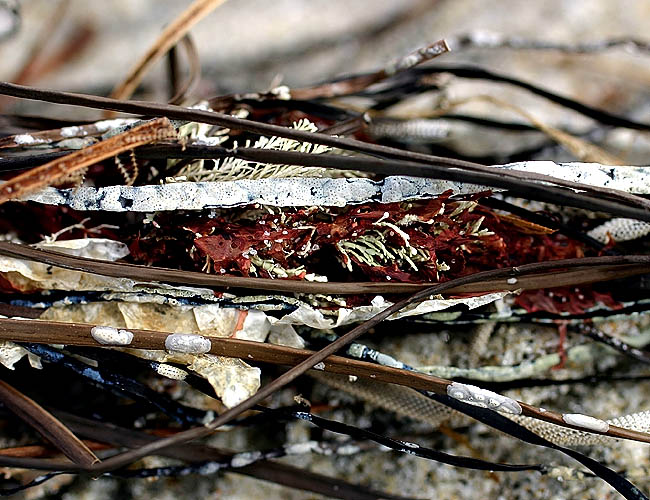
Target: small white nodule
188	343
107	335
476	396
586	422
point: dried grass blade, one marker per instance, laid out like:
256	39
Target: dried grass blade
358	83
548	274
194	71
167	39
47	425
581	149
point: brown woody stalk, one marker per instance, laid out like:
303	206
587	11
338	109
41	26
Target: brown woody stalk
548	274
167	39
80	334
60	168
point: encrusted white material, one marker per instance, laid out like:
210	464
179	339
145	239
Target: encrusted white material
26	139
620	230
318	191
277	192
188	343
624	178
586	422
482	397
408	402
107	335
245	458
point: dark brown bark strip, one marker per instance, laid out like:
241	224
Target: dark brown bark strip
548	274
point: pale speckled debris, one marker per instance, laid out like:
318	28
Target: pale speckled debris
91	248
11	353
32	276
314	318
286	335
216	321
232	379
212	319
620	230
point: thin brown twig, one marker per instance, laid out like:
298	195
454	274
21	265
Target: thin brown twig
60	168
51	24
539	275
496	40
74	45
173	70
194	71
39	450
168	38
580	148
361	82
275	472
35	54
47	425
344	86
500	178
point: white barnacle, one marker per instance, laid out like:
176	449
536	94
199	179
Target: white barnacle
26	139
493	403
302	448
319	366
456	394
586	422
476	396
107	335
188	343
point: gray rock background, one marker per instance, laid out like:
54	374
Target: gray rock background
245	44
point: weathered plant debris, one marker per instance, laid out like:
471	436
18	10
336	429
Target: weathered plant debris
163	269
